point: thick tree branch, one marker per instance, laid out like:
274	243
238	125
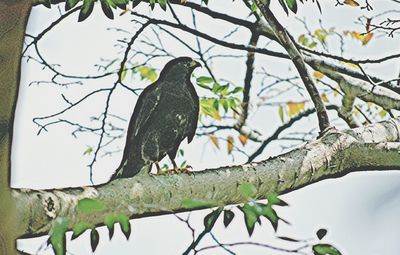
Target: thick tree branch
298	60
374	147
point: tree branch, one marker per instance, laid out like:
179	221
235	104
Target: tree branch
373	147
298	61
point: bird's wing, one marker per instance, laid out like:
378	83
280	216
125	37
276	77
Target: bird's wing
193	124
145	105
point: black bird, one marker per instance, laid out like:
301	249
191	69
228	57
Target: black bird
166	113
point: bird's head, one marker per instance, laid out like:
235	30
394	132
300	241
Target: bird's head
182	66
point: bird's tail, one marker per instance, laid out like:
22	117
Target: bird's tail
130	168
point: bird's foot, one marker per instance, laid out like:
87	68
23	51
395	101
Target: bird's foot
187	169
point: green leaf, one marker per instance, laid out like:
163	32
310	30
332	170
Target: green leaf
46	3
57	235
248	190
236	90
148	73
79	229
325	249
125	225
225	104
250	217
94	239
228	217
284	6
70	4
211	218
181	152
204	79
89	205
280	111
88	151
269	213
189	203
292	4
110	221
120	3
86	10
216	104
321	233
163	4
105	6
273	199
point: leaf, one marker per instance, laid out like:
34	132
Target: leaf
86	10
89	205
273	199
243	139
70	4
382	113
280	111
250	217
318	75
94	239
321	233
211	218
105	6
110	221
204	80
282	3
88	151
148	73
123	73
163	4
125	225
292	4
351	3
79	229
236	90
248	190
295	108
289	239
57	235
229	144
269	213
324	98
181	152
321	35
325	249
228	217
214	140
190	203
367	38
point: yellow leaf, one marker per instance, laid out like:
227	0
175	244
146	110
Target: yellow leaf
243	139
356	112
230	142
215	115
367	38
295	108
354	66
148	73
382	113
318	75
214	140
280	111
351	3
324	98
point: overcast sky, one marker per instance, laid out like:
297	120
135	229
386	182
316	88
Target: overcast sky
360	210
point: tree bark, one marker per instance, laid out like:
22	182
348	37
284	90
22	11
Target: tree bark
13	18
374	147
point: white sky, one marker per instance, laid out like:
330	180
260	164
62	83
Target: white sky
360	210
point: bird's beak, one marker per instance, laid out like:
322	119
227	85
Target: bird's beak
195	64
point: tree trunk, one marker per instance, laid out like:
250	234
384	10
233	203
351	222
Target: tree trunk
13	18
